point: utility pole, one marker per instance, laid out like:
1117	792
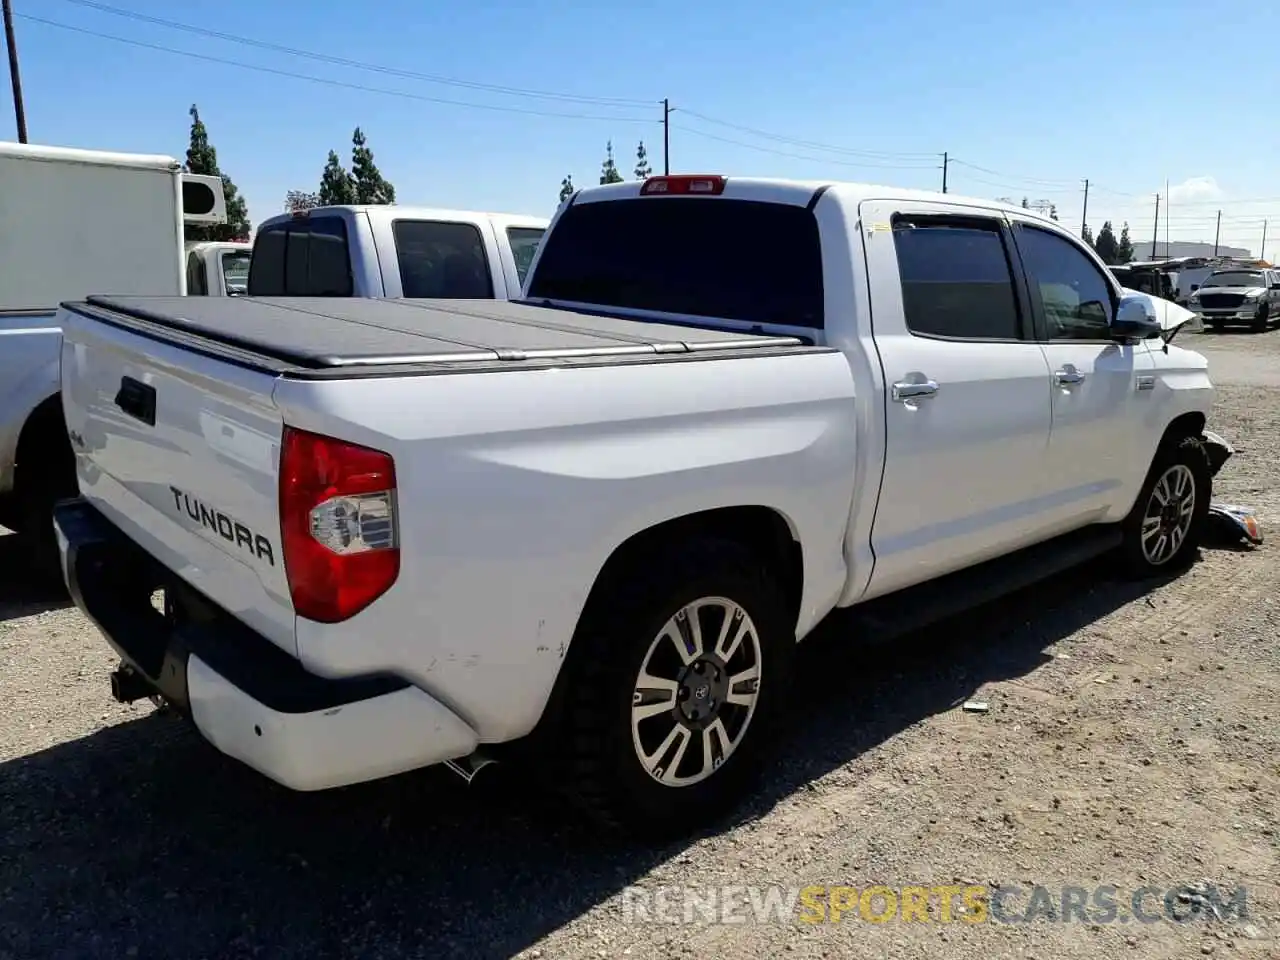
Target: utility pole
1262	254
666	135
19	113
1217	232
1155	230
1084	214
946	160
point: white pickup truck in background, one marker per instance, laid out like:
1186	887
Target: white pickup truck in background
218	268
74	222
393	251
589	528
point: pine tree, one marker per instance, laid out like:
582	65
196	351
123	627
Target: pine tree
337	187
370	185
1087	235
643	170
566	188
1124	249
202	159
609	170
1106	245
1053	212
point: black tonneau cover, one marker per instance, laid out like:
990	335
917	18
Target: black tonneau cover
317	333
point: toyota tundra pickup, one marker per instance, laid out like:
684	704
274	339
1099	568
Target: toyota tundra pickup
587	528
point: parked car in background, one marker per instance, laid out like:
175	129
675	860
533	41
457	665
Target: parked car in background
588	528
1239	295
74	222
393	251
218	268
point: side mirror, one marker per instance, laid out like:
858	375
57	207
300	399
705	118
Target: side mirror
1133	322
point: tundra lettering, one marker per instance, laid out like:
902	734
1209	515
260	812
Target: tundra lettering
233	531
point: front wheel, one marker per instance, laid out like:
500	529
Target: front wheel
1164	529
676	688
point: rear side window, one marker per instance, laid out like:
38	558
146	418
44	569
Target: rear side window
304	258
524	244
956	278
697	256
442	260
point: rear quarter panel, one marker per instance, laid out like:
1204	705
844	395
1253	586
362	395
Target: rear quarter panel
516	487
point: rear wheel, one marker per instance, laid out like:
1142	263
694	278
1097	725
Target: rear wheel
677	684
44	473
1164	529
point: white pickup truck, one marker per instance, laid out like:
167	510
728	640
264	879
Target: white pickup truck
217	268
588	529
393	251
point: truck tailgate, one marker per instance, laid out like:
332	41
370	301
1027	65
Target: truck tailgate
181	451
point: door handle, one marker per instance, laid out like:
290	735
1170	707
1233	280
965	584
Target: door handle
906	390
1068	376
138	400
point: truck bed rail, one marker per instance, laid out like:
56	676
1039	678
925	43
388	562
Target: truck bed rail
302	336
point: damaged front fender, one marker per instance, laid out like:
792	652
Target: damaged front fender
1218	450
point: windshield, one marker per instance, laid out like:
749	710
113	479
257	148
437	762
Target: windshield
524	244
235	271
1235	278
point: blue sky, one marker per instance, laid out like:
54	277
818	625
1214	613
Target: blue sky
1028	99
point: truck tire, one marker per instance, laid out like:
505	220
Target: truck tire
632	765
1262	322
44	473
1164	529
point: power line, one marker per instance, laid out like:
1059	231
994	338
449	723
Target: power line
1018	187
797	156
326	80
809	144
355	64
1009	176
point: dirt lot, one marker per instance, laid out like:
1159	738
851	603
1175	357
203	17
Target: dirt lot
1132	740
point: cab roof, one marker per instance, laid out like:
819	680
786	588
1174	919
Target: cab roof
801	192
401	211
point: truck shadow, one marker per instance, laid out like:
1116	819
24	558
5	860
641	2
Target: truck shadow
21	593
141	840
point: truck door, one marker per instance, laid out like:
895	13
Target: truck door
1100	389
967	405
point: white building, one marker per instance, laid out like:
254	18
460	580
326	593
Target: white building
1184	248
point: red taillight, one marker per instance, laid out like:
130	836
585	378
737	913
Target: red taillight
338	522
684	184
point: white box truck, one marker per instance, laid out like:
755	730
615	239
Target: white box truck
74	223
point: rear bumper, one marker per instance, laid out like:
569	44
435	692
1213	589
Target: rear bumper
247	697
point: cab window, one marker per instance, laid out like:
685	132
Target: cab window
1077	301
307	257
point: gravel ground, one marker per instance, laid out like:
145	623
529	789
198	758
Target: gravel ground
1131	740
